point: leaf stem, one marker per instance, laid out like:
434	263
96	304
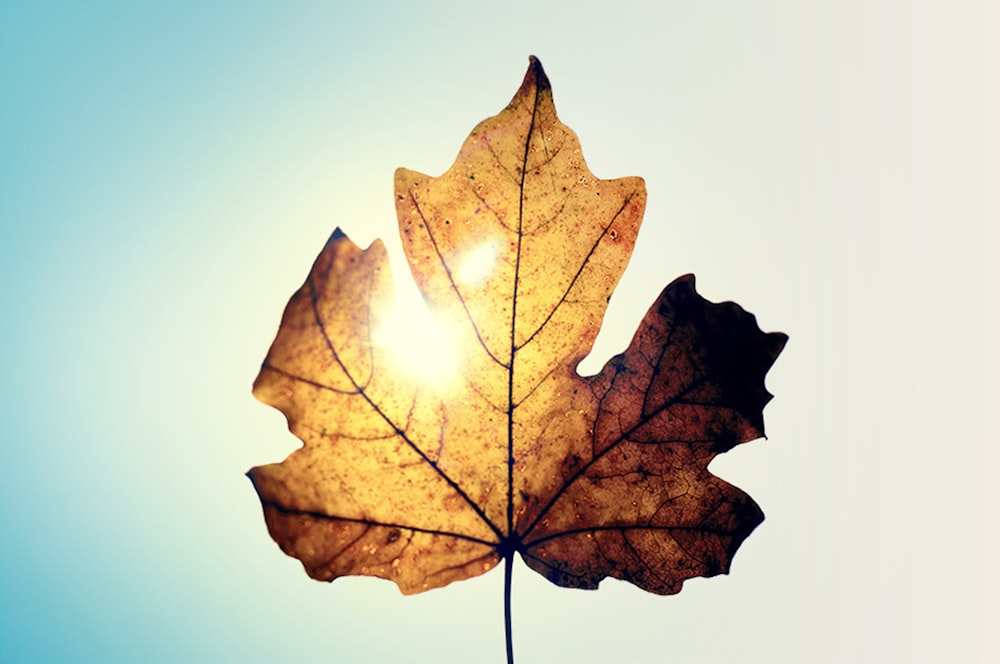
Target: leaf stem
507	573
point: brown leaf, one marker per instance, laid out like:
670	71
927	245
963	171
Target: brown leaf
519	247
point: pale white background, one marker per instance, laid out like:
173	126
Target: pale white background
168	172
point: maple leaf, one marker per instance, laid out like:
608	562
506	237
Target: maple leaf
519	247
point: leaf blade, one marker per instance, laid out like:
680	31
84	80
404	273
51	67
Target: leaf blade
519	246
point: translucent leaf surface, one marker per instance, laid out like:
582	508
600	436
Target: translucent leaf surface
517	248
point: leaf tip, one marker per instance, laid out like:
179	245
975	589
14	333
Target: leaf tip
536	74
253	475
337	234
534	86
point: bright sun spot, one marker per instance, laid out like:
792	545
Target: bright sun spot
476	264
418	343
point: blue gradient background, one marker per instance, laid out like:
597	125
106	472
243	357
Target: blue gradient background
168	172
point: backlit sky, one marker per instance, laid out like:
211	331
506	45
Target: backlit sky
168	172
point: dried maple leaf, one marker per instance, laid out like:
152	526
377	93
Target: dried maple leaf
519	246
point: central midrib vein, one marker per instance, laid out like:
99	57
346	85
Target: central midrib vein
513	328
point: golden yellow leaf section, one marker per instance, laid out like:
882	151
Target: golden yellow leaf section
560	239
362	495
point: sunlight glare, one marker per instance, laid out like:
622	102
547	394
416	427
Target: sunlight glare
418	343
